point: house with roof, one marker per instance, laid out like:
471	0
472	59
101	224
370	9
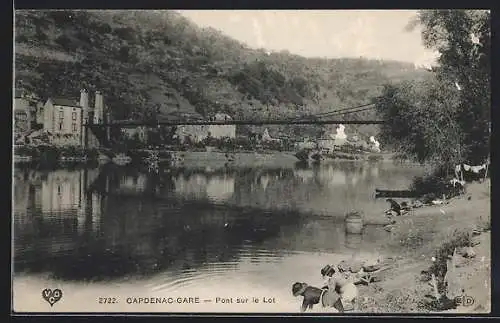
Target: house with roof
64	118
140	132
199	132
222	131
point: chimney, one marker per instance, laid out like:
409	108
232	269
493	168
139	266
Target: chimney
99	108
84	103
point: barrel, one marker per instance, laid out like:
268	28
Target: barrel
353	241
354	223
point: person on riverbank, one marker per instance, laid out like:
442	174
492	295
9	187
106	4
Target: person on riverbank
343	286
313	295
360	272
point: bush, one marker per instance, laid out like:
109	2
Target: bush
438	268
429	184
375	158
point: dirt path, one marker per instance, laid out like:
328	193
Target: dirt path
417	237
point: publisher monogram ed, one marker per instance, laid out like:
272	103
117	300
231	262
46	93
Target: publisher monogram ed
464	300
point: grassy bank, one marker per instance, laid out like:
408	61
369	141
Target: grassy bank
434	232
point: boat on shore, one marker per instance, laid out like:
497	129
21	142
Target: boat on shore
380	193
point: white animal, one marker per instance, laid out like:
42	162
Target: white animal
456	181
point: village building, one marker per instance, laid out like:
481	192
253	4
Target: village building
64	119
24	113
222	131
326	144
305	144
140	133
332	142
198	133
195	133
266	137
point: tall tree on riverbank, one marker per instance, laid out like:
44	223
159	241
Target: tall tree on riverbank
447	119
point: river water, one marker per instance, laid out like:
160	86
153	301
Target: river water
190	235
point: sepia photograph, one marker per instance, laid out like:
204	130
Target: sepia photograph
251	161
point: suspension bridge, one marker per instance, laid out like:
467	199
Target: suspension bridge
337	116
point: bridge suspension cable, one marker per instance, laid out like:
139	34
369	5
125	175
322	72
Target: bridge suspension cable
351	111
366	106
345	110
340	112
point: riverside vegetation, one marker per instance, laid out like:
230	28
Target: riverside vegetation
444	121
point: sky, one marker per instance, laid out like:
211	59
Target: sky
375	34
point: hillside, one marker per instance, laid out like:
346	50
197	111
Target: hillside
149	62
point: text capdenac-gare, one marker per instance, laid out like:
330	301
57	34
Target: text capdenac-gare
163	300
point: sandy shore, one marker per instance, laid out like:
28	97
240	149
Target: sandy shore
418	236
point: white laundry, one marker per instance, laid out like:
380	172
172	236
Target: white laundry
477	169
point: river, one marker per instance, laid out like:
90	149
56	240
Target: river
191	236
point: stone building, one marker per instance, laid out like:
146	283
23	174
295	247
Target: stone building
65	118
222	131
24	113
199	132
62	119
141	133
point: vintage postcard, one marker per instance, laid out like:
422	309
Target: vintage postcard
251	161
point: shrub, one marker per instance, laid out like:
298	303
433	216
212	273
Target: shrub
430	186
438	268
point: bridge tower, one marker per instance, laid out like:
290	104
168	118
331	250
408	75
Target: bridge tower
84	103
92	116
98	108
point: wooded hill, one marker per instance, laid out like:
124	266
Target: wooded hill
158	64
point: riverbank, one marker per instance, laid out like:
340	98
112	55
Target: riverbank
209	157
418	237
52	155
308	154
215	159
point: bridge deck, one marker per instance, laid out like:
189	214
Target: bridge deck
127	123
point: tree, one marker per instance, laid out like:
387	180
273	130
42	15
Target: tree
421	121
445	120
463	38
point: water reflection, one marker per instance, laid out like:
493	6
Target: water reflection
114	222
217	187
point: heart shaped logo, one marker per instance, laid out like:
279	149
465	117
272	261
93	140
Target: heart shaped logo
52	296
